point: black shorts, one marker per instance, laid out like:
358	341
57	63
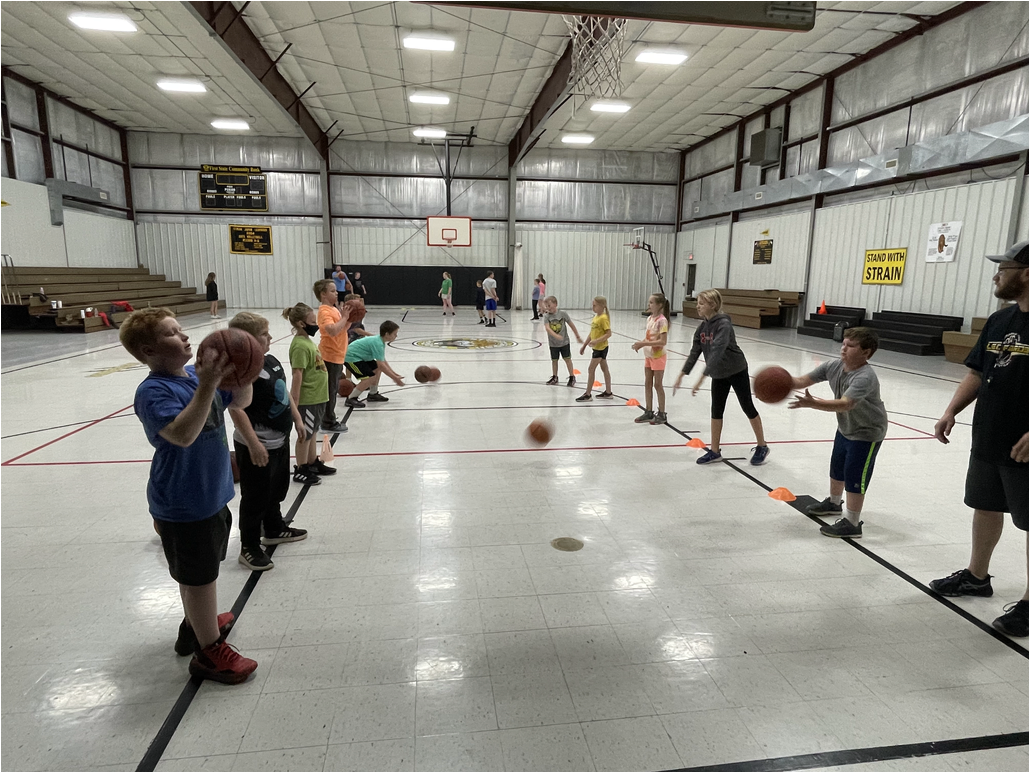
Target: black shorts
600	354
998	488
364	369
565	352
312	417
480	305
852	461
194	549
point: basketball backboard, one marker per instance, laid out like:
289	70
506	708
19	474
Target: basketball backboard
449	231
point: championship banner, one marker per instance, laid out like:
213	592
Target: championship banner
884	267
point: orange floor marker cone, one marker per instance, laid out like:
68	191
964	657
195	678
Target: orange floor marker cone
597	384
696	442
633	401
782	495
822	307
326	455
576	372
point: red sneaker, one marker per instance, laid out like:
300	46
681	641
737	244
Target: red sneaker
186	644
222	663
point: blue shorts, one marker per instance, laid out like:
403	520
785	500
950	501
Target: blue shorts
852	461
491	304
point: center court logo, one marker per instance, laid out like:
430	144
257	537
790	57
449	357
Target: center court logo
464	343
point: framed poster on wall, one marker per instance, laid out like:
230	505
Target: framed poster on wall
942	242
250	239
763	252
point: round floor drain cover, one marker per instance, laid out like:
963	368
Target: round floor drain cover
568	544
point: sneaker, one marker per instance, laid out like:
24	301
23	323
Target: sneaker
842	528
552	381
605	396
337	428
321	469
353	403
585	398
186	642
255	559
571	382
222	663
1014	621
660	418
305	476
644	418
962	583
482	322
826	507
288	534
709	457
761	453
377	398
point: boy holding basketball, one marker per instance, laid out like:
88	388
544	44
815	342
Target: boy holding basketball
366	359
181	409
557	324
861	428
333	321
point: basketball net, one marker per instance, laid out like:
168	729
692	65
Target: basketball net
597	47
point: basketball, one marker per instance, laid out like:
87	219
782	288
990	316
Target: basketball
434	374
773	384
345	388
540	432
422	374
357	308
244	353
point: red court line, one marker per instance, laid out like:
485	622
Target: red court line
66	435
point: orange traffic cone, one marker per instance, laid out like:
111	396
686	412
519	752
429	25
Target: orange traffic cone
326	455
781	494
696	442
633	401
597	384
822	307
576	372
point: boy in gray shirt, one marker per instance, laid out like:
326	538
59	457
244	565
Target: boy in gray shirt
861	427
557	324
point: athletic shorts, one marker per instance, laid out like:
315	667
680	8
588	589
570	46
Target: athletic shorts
656	363
480	305
565	352
600	354
852	462
194	549
491	304
364	369
312	416
998	488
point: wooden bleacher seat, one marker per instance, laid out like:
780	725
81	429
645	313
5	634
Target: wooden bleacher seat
957	345
751	308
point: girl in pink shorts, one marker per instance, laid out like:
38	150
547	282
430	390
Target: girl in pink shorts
656	337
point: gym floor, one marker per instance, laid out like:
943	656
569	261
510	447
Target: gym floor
428	624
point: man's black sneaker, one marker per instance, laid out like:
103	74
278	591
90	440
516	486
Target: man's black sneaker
571	382
962	583
826	507
289	534
1014	621
255	559
321	469
186	642
842	528
304	475
354	403
552	381
377	398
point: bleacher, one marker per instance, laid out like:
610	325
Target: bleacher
752	308
90	290
957	345
899	331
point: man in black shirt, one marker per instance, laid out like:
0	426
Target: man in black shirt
997	479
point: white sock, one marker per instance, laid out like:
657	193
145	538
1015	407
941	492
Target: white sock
836	498
852	516
373	390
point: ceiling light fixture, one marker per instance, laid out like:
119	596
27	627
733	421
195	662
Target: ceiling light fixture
182	84
610	107
661	57
107	22
577	139
231	124
426	42
426	131
430	99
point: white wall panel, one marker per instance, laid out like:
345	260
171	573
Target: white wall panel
1023	229
710	247
95	241
581	264
789	234
26	234
405	245
186	252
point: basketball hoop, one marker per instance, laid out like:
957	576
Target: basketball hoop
596	55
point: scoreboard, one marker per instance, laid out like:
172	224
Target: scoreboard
233	188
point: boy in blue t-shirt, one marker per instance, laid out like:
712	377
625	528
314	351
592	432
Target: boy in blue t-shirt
190	479
366	359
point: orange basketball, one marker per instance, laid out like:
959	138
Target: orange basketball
773	384
422	374
540	432
357	309
244	353
345	388
434	374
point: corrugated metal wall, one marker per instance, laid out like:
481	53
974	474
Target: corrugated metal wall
789	233
398	244
961	288
1023	229
186	252
710	247
95	241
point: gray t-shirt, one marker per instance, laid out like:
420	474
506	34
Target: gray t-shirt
559	324
867	420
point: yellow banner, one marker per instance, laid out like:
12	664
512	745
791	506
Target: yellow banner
884	267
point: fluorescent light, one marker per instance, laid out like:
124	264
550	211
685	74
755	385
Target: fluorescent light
233	124
577	139
108	22
429	42
430	99
181	84
425	131
661	57
610	107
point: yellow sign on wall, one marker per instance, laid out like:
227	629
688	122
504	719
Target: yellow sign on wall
884	267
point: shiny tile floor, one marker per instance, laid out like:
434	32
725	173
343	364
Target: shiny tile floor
428	624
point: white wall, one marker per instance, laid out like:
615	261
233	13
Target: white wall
1023	229
405	245
789	233
710	246
25	231
186	252
95	241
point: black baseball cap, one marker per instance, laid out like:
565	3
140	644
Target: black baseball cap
1015	254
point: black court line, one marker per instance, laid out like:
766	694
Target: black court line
62	426
872	754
